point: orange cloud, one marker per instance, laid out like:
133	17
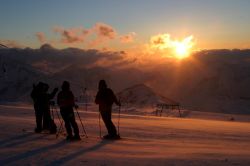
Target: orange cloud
72	35
41	37
104	31
161	41
95	36
11	43
164	41
101	31
128	38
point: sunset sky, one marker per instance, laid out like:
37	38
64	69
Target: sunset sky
122	24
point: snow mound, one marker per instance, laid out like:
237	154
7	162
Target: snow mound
143	96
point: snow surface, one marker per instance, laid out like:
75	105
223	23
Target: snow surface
147	140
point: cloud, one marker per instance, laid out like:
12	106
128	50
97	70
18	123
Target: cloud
97	36
99	33
163	45
164	41
128	38
161	41
71	35
11	43
41	37
105	31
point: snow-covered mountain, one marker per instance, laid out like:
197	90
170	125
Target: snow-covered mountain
21	68
213	80
142	95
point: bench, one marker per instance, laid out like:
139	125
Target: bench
161	106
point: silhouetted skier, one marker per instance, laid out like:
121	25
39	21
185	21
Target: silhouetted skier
48	122
36	96
66	102
105	98
42	109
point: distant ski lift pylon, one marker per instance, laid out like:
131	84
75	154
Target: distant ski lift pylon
84	97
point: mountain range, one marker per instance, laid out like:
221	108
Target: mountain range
212	80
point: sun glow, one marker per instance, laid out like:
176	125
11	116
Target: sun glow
179	49
183	48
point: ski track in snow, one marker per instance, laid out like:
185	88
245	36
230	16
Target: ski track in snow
146	140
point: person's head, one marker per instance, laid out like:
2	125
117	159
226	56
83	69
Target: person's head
65	86
102	85
40	86
45	87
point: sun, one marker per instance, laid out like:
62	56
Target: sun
182	48
178	49
181	51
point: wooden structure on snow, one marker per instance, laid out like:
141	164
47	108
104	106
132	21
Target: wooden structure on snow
167	104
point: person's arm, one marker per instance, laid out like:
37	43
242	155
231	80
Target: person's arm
97	98
33	92
32	95
115	99
52	95
72	100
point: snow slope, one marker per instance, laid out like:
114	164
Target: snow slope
147	140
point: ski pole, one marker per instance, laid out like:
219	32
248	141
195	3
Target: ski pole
52	112
82	124
59	130
60	121
100	127
119	115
